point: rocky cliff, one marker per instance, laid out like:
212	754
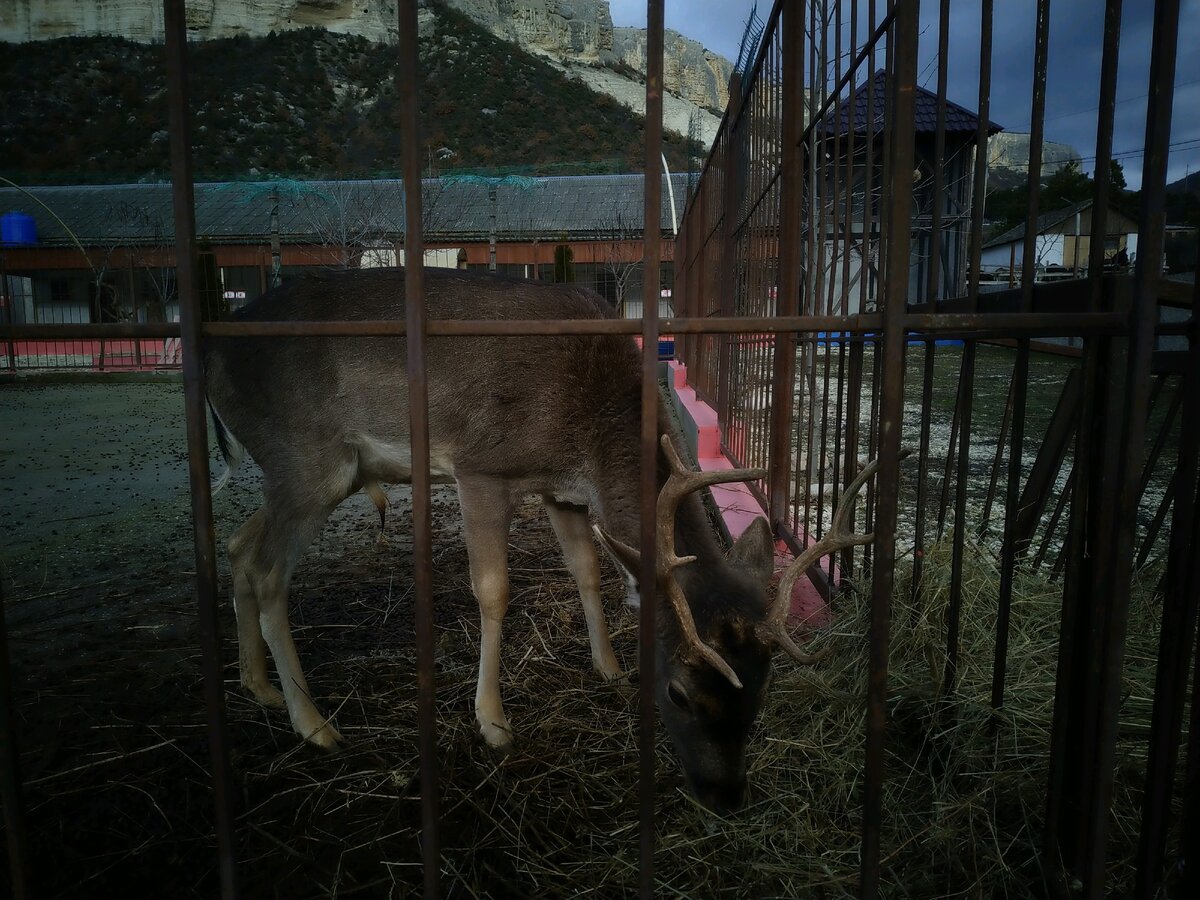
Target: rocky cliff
141	20
577	36
1008	158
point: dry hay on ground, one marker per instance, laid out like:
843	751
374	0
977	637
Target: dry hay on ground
557	818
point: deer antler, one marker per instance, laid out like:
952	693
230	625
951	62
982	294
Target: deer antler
681	482
838	537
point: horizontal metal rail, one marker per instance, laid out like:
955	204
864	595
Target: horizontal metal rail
831	328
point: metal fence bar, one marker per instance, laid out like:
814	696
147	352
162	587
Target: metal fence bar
649	446
790	249
859	327
933	295
16	830
418	412
197	436
1119	531
900	125
1066	790
1009	549
1178	626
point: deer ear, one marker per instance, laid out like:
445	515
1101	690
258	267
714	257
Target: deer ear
754	551
628	560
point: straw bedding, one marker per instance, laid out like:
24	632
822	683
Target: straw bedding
119	792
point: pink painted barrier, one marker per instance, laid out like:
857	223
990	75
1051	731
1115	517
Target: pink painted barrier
737	504
155	353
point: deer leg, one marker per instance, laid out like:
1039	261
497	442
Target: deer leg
286	533
487	514
252	649
579	551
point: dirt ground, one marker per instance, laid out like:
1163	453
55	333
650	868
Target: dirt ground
97	565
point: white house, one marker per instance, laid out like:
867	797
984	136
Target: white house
1062	244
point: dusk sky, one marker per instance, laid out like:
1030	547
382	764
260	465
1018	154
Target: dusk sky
1073	78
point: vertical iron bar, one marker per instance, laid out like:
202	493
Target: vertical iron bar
955	417
790	235
408	82
1067	784
933	295
886	189
1118	532
15	829
1009	549
1005	419
844	455
649	437
901	126
197	435
728	252
1059	505
1178	625
834	249
858	348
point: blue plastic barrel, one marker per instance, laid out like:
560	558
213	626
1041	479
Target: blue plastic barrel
17	229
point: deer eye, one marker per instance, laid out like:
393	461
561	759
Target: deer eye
678	695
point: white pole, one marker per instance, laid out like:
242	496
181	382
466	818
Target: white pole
671	194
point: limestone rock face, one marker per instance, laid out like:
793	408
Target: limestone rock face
581	29
142	20
689	71
1008	158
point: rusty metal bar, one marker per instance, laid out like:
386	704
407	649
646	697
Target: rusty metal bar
932	294
1074	688
1118	532
408	83
1047	463
844	455
16	831
858	349
1160	439
790	238
728	249
649	442
864	326
1051	526
179	128
1020	392
901	126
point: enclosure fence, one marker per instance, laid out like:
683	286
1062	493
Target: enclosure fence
831	247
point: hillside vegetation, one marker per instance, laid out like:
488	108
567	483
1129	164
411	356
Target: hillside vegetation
306	103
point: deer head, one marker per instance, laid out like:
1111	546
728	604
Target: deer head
717	630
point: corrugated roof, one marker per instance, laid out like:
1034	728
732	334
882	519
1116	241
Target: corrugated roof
455	208
958	118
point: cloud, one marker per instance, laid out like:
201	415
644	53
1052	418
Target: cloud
1075	54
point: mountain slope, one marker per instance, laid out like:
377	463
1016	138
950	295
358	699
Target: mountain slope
305	103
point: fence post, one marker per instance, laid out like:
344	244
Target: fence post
788	294
197	437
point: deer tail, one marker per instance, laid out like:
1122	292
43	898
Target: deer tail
231	450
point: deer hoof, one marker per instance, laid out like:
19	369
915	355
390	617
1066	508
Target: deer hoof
616	678
325	738
265	695
497	736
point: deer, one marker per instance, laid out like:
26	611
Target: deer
554	417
